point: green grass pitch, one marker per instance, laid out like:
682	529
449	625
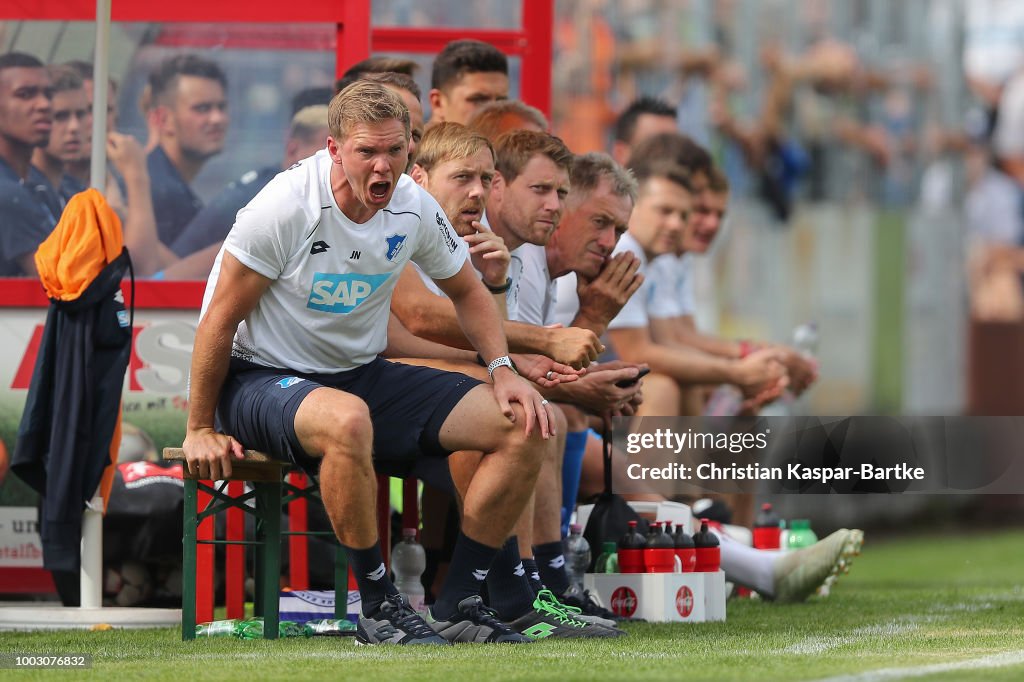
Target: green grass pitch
933	608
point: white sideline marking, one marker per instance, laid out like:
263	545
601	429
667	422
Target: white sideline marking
1000	660
816	645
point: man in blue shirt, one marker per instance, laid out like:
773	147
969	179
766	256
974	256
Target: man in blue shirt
29	207
189	94
306	136
69	134
23	227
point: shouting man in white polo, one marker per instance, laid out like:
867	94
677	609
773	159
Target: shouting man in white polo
286	357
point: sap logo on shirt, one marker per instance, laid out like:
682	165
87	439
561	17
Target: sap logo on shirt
333	293
395	244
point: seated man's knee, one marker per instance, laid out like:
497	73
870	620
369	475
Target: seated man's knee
353	426
341	425
531	448
662	396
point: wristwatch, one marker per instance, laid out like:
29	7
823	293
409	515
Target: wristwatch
503	361
501	288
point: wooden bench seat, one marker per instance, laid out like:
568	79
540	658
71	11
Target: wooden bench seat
256	466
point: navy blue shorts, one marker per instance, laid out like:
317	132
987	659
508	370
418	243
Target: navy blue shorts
408	405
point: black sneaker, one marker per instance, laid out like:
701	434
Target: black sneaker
548	618
395	623
583	601
474	622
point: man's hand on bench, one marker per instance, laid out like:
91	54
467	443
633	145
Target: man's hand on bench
208	453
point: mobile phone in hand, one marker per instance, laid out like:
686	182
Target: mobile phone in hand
626	383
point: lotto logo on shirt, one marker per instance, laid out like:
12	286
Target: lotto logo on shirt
333	293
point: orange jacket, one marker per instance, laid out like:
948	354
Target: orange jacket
86	239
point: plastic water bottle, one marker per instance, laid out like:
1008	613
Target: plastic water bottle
253	629
800	534
217	628
783	536
608	560
805	339
685	549
766	528
660	553
631	550
577	557
677	562
329	627
408	561
709	552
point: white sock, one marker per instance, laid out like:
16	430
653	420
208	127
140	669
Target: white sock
753	568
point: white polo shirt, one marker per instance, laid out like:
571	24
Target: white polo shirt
327	307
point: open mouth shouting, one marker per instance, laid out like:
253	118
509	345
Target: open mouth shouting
379	190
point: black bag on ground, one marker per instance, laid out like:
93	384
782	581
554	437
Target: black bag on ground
609	520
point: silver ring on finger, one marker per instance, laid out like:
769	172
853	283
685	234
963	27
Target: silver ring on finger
550	374
544	402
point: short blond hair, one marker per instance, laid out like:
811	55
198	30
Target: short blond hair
308	121
365	102
449	141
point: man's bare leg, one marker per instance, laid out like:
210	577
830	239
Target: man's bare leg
495	495
546	553
336	427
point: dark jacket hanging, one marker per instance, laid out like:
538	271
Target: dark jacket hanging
74	401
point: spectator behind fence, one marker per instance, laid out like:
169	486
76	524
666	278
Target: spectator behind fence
306	136
69	134
81	168
189	98
26	118
466	75
84	70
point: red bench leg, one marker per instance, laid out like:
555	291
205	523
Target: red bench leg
298	545
234	576
204	561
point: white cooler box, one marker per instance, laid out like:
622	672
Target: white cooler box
652	511
662	597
